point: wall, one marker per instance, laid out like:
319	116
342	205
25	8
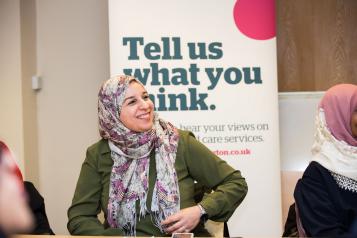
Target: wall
11	126
316	44
297	111
73	60
29	100
18	126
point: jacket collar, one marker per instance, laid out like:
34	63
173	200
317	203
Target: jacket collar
104	147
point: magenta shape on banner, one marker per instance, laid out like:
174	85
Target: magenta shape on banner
255	18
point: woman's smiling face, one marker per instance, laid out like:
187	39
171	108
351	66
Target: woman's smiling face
137	111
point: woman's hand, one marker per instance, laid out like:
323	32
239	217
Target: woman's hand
183	221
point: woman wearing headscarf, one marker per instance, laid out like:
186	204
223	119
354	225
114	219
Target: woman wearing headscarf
15	215
326	196
142	172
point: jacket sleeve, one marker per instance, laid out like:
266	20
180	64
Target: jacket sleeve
86	203
229	187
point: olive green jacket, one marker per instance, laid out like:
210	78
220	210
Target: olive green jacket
194	162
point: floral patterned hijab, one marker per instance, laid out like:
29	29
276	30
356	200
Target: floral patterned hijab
130	152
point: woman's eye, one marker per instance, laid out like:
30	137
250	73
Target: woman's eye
131	102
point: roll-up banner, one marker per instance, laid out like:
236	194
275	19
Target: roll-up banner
210	67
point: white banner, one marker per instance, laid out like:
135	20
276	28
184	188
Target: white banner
210	67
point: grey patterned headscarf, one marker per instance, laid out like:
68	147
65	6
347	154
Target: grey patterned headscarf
130	152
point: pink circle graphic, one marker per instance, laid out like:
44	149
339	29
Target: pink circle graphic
255	18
